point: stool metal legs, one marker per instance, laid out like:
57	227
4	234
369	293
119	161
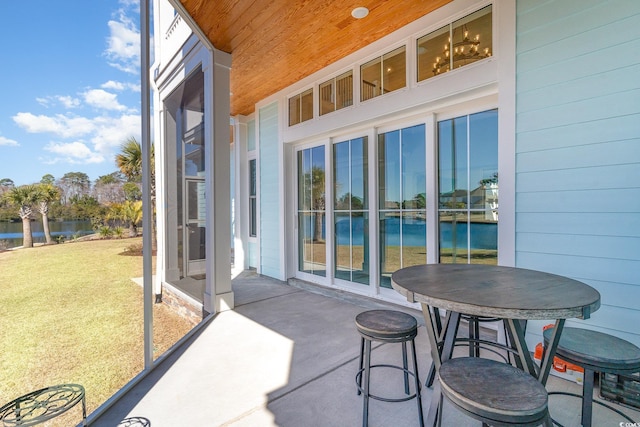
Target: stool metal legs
367	373
587	396
364	372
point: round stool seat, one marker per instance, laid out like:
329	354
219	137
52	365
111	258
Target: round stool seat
493	392
387	325
596	350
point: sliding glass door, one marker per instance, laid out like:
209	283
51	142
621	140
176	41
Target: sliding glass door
351	216
311	211
402	200
468	196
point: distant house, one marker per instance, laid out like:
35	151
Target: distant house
545	95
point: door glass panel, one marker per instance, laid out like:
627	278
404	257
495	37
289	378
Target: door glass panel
343	245
453	237
196	242
390	247
389	171
360	247
402	178
414	238
350	183
468	195
311	211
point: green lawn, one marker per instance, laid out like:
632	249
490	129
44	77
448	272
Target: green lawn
70	313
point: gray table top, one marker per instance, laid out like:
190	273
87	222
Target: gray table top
496	291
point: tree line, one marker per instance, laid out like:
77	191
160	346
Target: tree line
113	200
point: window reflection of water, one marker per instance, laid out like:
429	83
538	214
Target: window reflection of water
484	235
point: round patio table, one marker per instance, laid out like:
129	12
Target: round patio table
42	405
508	293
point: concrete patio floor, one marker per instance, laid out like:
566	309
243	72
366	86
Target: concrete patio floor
287	356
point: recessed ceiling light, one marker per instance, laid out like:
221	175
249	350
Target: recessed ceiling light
359	12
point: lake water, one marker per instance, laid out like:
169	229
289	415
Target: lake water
414	232
11	232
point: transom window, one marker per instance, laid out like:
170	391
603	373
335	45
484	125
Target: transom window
336	93
301	107
462	42
383	74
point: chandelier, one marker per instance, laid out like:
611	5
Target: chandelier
464	52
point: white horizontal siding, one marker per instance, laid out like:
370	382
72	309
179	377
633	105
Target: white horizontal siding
578	150
270	233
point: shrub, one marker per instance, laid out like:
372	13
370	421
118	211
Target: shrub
105	232
118	232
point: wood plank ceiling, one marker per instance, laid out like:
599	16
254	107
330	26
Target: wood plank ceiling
275	43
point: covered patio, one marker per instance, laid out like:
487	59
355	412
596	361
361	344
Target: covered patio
287	356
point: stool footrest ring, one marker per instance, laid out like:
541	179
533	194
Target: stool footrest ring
385	399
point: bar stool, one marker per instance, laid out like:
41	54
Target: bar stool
475	343
386	326
595	352
495	393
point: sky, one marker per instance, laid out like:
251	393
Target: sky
69	86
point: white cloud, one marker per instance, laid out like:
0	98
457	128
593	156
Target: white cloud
123	44
68	101
102	99
102	136
113	85
63	125
72	152
130	3
112	132
8	142
120	86
45	102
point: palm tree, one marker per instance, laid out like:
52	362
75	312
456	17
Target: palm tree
129	162
132	212
24	196
45	194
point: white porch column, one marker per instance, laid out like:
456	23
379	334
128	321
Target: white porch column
218	294
241	208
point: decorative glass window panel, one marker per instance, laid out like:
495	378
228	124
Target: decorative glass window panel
463	42
311	211
301	107
336	93
394	70
433	53
468	194
253	211
384	74
402	209
350	188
